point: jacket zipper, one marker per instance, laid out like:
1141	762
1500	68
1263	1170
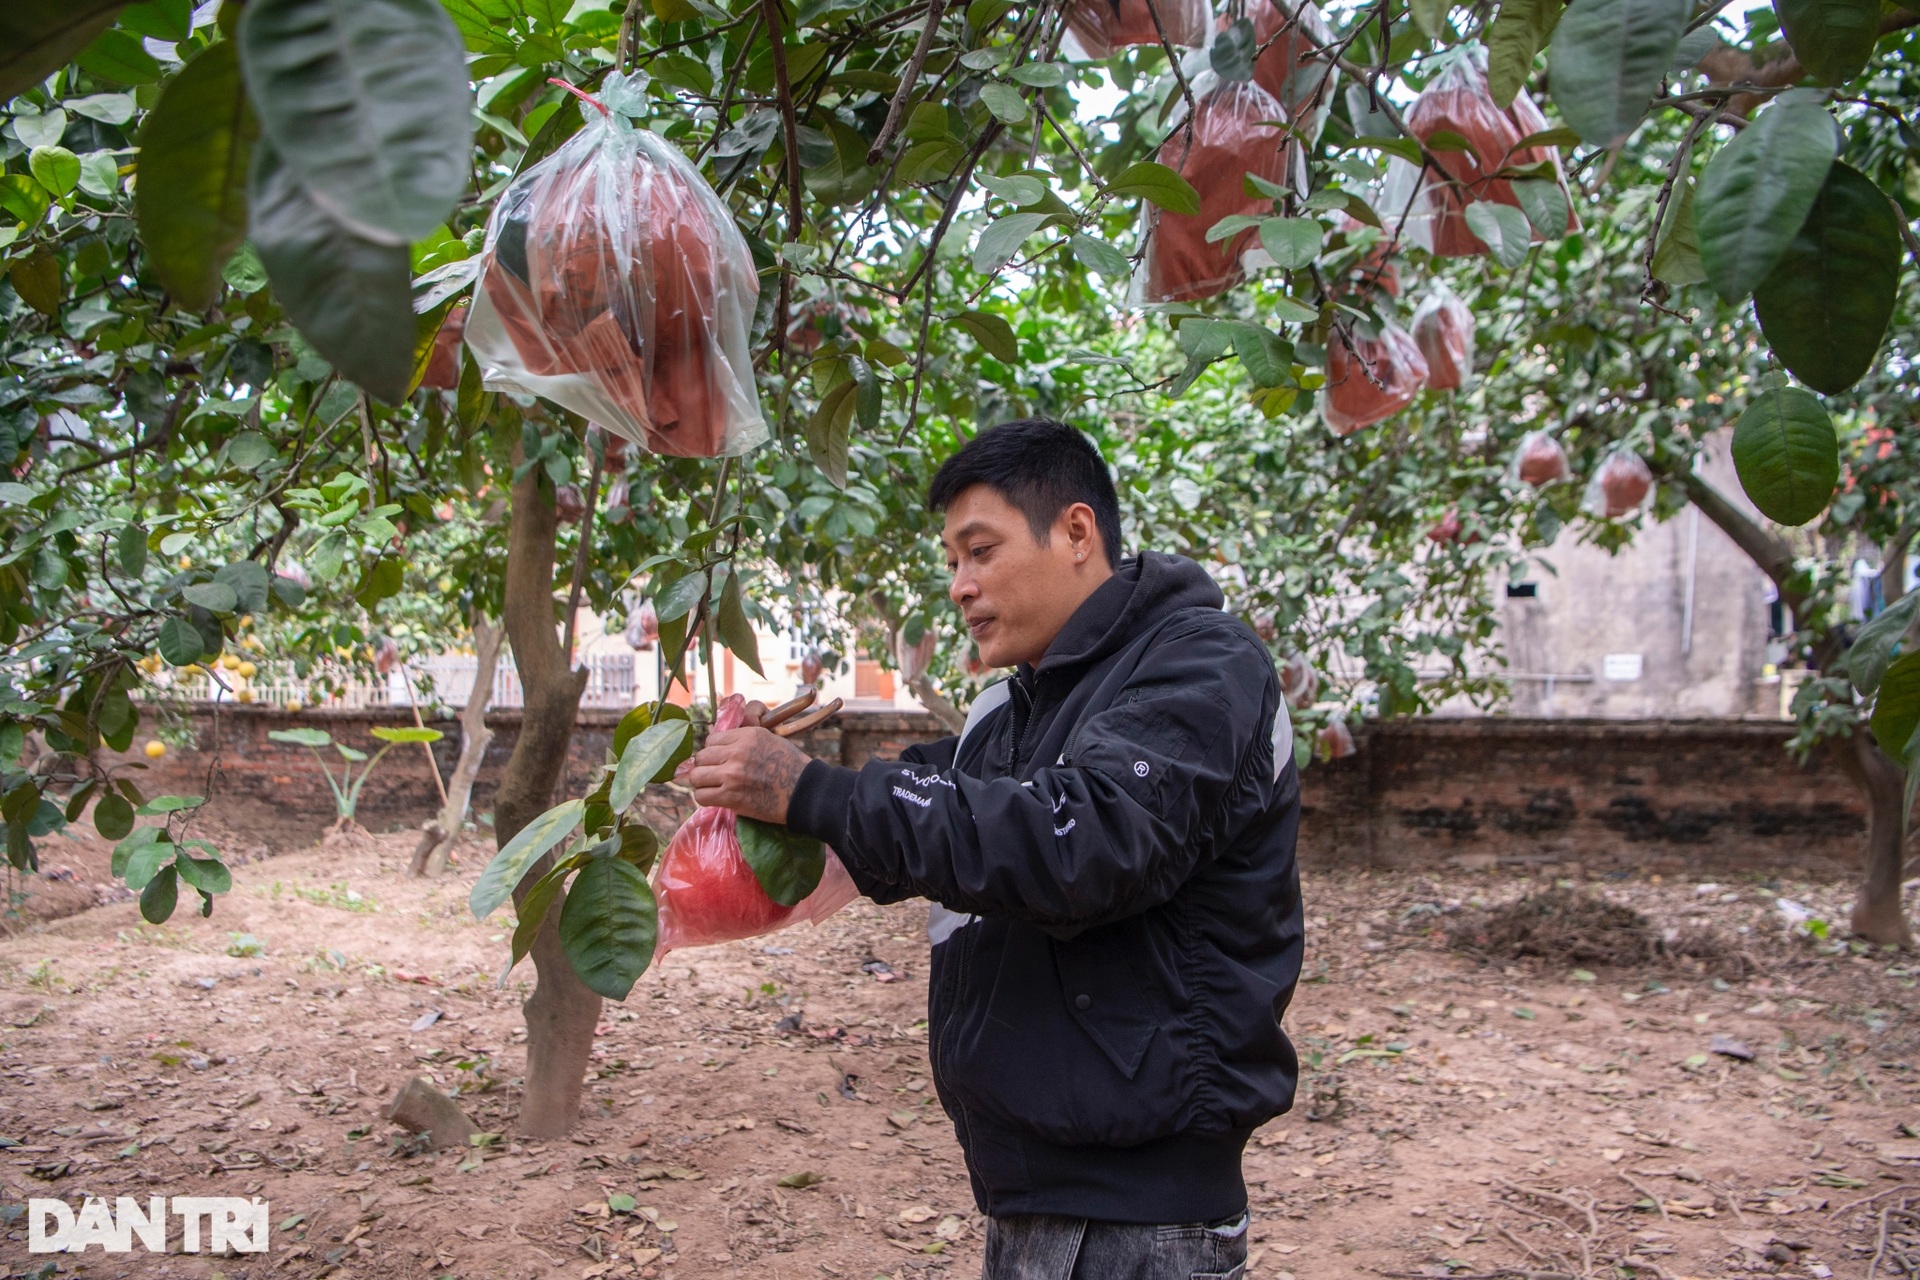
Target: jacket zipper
1026	722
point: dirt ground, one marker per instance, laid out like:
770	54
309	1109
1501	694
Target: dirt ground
767	1107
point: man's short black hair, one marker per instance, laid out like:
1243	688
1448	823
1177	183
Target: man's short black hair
1040	466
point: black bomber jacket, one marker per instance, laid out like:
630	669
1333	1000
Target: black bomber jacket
1104	1024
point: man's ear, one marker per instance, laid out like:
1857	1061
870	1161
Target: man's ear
1082	530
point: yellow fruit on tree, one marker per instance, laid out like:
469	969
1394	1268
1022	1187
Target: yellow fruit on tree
244	695
193	669
230	662
246	670
155	748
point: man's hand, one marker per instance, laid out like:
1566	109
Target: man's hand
751	771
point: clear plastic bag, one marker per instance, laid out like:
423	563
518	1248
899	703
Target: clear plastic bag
1434	207
1336	740
1619	486
1299	682
616	283
1229	142
1300	82
1370	379
1443	326
1540	461
707	892
1101	26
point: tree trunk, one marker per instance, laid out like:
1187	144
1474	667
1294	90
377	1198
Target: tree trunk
1877	913
474	738
562	1011
950	716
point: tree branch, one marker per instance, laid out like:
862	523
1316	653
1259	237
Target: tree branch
909	81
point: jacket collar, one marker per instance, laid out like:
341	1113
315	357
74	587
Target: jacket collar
1142	591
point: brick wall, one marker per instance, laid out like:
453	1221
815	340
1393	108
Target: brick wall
1566	795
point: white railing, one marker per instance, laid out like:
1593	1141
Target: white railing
440	680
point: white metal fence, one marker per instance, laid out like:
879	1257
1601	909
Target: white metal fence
441	680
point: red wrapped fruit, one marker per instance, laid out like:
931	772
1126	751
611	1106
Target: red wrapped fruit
1370	379
443	366
811	667
1540	461
1230	139
1446	529
617	285
1101	26
1619	487
1289	69
706	890
1456	100
1443	328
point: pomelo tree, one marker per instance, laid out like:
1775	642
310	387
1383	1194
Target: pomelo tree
234	234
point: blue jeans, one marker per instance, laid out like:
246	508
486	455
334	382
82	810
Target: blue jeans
1043	1247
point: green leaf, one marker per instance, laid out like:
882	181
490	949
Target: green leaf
1608	59
532	911
179	642
994	334
130	549
1758	190
158	899
1505	229
205	874
1825	306
1430	16
191	199
1874	647
1292	243
250	584
1834	39
787	865
169	20
113	816
1002	238
366	101
55	168
645	759
1787	455
1158	185
638	720
1020	189
680	595
119	56
169	804
37	37
1041	75
315	738
827	435
736	630
1518	33
1231	56
1006	102
1544	202
406	733
38	281
509	866
609	926
350	297
1896	709
1100	257
214	597
1676	259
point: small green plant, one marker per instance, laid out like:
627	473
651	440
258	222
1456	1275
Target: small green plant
241	945
338	895
346	788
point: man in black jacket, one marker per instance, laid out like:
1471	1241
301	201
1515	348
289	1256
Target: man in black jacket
1110	848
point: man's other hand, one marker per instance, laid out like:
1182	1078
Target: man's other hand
750	771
